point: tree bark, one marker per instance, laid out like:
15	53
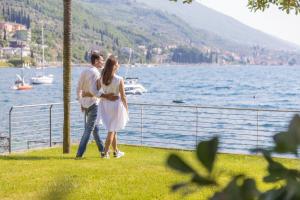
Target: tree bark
67	74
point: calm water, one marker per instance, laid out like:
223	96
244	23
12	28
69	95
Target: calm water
276	87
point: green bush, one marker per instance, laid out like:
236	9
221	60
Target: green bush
17	62
5	64
242	187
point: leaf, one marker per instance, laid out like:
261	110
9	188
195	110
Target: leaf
175	162
249	190
285	143
202	180
276	170
206	153
230	192
288	142
179	186
239	188
274	194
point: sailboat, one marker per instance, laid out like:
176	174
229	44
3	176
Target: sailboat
42	78
131	85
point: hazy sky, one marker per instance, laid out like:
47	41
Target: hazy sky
271	21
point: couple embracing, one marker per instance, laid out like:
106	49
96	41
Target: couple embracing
102	98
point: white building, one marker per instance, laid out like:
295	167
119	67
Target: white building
9	52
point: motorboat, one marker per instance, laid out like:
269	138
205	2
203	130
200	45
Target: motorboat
20	84
42	78
133	87
178	101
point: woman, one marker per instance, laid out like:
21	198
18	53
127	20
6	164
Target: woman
113	114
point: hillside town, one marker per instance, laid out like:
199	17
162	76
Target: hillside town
15	42
16	49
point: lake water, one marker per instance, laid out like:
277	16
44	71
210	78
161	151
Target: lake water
268	87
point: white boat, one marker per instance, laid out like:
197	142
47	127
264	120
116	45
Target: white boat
132	87
41	78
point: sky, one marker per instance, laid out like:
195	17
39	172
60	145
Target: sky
272	21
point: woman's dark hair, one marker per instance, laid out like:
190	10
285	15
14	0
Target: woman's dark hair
107	73
95	56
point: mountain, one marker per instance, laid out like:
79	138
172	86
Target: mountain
202	17
146	27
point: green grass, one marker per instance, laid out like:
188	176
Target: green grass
141	174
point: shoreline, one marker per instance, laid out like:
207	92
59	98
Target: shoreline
152	65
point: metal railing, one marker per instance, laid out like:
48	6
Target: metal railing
167	126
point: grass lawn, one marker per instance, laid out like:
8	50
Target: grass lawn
141	174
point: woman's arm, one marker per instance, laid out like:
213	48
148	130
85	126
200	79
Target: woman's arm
122	93
87	94
110	96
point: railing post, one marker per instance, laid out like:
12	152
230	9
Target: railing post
10	129
142	126
196	127
257	129
50	125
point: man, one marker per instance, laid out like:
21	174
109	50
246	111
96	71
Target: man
87	83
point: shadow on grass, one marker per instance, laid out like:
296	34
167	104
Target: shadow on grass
59	189
23	157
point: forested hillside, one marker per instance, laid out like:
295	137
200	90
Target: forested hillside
107	24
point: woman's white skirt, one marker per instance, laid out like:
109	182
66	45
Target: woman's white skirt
113	115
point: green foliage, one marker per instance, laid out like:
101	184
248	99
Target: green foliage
206	153
242	187
239	188
5	64
284	5
16	14
287	142
191	55
17	62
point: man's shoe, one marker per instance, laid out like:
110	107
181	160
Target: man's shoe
118	154
105	156
102	154
79	157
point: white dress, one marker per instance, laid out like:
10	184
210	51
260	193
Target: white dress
113	114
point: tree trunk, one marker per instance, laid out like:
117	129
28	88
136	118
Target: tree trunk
67	74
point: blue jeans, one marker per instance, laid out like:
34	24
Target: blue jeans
90	127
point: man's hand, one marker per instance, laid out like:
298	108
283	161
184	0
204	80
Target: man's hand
87	94
110	97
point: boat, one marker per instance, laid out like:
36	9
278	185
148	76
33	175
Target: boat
133	87
178	101
20	84
41	78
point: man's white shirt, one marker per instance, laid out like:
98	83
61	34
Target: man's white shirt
88	83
